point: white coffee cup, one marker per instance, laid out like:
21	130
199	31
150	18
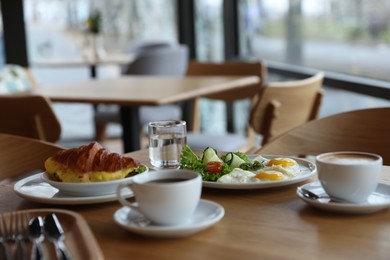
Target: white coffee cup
349	176
165	197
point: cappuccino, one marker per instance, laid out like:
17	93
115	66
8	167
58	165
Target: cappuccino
348	158
349	176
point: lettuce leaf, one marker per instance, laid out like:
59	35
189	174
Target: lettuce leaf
190	161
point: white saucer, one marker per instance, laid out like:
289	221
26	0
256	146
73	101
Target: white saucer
207	214
379	200
33	188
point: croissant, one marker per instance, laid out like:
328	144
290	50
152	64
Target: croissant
89	163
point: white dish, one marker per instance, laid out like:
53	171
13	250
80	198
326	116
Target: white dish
379	200
86	189
33	188
207	214
307	170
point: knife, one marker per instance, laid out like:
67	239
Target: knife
35	227
56	235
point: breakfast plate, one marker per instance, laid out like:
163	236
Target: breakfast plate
34	188
306	170
379	200
206	214
84	189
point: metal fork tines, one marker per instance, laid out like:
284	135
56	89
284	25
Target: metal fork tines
5	252
14	227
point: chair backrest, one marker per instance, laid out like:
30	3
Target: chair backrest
365	130
20	155
30	116
229	68
15	79
141	46
159	59
282	106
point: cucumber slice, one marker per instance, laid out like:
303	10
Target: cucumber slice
210	155
233	160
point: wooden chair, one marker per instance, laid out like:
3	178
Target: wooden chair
229	141
30	116
282	106
366	130
20	156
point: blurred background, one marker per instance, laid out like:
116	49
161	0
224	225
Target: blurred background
349	40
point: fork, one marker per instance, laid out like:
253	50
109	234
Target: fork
18	232
4	239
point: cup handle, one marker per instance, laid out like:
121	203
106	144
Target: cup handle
121	199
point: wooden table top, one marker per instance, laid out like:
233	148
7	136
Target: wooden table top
258	224
131	92
143	90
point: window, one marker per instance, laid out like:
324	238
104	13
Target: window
57	29
209	30
350	36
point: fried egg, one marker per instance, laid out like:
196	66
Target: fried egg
237	175
286	166
269	175
275	169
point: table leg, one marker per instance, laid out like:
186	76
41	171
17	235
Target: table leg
92	71
130	128
187	107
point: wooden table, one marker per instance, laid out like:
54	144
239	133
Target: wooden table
131	92
258	224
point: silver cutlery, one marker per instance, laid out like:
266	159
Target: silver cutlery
56	235
311	195
5	252
19	233
14	234
37	237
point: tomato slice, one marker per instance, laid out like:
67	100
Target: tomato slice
214	167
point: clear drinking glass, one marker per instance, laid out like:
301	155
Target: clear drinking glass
166	140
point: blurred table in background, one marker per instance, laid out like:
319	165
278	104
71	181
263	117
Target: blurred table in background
131	92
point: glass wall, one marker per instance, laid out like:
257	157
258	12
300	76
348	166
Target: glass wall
58	28
350	36
209	30
210	48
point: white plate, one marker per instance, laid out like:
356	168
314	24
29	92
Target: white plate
207	214
307	170
35	189
86	188
379	200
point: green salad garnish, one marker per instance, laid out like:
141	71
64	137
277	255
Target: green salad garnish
212	166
